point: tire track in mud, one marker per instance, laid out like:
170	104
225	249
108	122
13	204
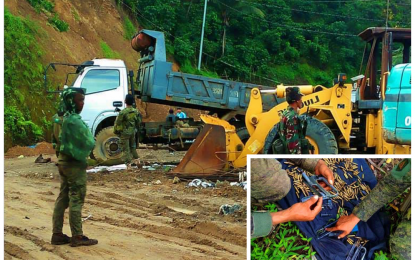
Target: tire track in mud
16	251
167	231
44	246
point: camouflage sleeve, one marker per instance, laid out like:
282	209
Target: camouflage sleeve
307	164
292	126
387	189
118	123
261	224
268	180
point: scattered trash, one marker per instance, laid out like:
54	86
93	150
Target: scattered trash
242	176
227	209
89	216
107	168
32	146
21	156
176	180
199	182
149	168
240	184
40	159
158	182
26	217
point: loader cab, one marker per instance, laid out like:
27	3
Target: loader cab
385	48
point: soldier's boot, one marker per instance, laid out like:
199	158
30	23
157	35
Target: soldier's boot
83	241
60	239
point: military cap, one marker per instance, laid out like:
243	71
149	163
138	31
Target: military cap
293	94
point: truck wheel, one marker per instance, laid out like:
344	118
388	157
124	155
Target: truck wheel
243	134
107	145
321	137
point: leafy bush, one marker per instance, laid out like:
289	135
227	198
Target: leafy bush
129	28
42	5
58	24
108	52
23	130
23	74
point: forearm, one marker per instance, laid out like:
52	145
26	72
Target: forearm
262	222
387	189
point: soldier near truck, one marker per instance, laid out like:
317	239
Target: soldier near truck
76	143
126	124
292	128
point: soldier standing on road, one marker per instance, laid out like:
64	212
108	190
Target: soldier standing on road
128	120
292	128
269	183
76	143
386	190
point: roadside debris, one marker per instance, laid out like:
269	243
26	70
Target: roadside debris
227	209
200	183
119	167
176	180
40	159
21	156
158	182
89	216
240	184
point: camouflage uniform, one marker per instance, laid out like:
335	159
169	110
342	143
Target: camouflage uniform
125	127
386	190
269	182
57	125
76	142
291	131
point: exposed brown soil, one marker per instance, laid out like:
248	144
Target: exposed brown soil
131	216
41	148
90	22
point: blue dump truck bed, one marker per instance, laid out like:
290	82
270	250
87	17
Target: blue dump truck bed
158	83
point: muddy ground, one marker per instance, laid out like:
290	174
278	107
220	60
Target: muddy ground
132	216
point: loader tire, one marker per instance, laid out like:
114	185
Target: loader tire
243	134
317	133
107	145
320	134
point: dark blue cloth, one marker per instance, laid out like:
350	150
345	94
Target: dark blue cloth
376	229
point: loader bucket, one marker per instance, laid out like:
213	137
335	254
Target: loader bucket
207	155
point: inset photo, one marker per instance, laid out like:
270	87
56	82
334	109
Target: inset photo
332	208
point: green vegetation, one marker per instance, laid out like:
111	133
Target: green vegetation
23	75
47	7
129	28
58	24
42	5
285	242
294	42
107	52
75	14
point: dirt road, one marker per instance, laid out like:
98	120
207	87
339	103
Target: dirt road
132	217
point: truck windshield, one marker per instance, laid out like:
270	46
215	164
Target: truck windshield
98	80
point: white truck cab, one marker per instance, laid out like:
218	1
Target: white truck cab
106	83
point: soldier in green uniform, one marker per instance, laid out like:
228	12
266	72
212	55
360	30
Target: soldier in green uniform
76	143
292	128
387	189
125	127
269	183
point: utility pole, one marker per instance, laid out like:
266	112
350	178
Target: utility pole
201	38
